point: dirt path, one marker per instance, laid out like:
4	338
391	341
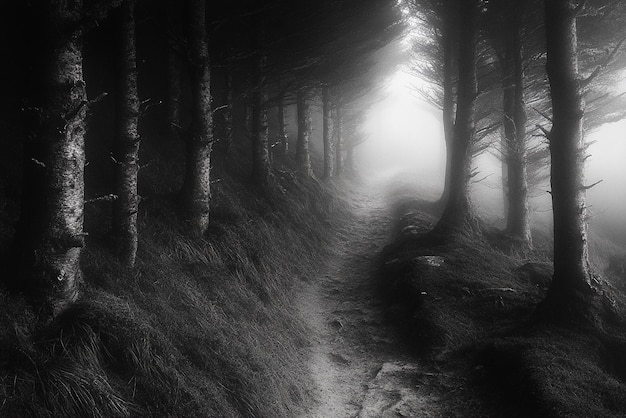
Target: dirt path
359	366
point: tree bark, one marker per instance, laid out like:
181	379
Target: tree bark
303	158
196	192
260	132
327	134
127	139
49	235
283	139
338	134
223	109
174	91
448	42
514	122
228	114
572	271
458	214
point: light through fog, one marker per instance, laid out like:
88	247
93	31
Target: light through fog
403	133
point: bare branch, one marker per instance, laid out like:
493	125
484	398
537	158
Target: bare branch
545	132
592	185
548	118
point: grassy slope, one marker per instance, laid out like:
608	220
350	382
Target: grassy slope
471	319
199	327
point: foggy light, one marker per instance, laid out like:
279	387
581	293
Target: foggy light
403	132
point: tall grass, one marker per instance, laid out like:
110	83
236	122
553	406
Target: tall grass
200	327
473	318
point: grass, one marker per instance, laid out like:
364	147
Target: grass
200	327
472	318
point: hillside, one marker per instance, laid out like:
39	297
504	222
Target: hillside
200	327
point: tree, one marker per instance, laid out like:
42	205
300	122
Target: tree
196	191
448	41
338	138
572	272
303	158
126	150
49	236
174	90
283	139
458	213
260	133
223	105
507	39
327	133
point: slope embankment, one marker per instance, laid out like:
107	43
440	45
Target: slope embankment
200	327
467	305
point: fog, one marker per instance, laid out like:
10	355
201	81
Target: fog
402	133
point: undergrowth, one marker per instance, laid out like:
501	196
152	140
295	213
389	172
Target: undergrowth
467	306
200	327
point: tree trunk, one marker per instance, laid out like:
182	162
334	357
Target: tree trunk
174	91
338	134
458	214
571	261
282	128
514	122
260	132
222	106
303	158
127	139
49	235
448	101
228	113
196	192
327	134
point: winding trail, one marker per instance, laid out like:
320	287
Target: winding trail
360	367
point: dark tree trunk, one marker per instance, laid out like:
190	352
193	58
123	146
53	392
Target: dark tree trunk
174	91
571	261
223	105
448	101
196	192
126	150
228	113
338	134
283	140
458	214
49	235
303	158
327	134
247	102
223	108
514	122
260	132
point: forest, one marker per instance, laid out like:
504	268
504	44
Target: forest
335	208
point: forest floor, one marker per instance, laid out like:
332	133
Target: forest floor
404	325
360	365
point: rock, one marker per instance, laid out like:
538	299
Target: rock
429	260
